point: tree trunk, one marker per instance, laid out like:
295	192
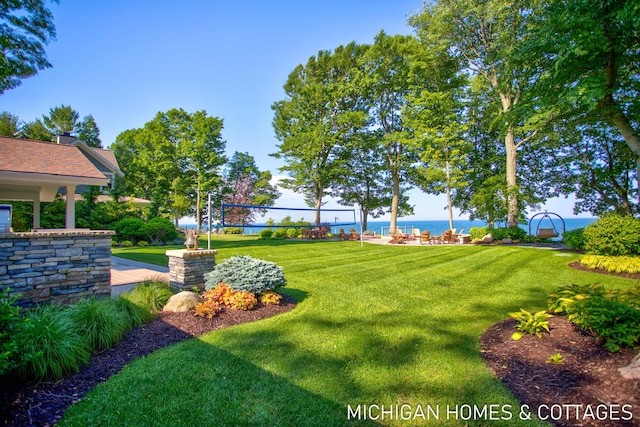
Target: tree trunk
395	200
512	180
449	202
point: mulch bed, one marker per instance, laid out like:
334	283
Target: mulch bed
43	404
588	375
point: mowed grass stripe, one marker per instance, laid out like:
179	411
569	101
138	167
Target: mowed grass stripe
376	325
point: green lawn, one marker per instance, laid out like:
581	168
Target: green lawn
375	325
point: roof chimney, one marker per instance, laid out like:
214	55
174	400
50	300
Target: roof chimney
66	139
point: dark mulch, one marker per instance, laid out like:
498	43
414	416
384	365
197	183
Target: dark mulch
43	404
588	375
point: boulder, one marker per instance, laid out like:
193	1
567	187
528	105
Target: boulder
507	241
487	239
183	301
632	370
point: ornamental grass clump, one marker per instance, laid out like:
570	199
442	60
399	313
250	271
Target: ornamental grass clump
100	322
56	347
244	273
151	295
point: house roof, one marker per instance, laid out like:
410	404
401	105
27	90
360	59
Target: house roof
44	158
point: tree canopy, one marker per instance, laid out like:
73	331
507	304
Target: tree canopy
26	26
173	160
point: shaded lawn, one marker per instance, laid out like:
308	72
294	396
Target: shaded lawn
378	325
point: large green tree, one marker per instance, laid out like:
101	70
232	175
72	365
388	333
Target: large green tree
26	26
585	54
173	160
483	36
364	179
390	78
435	126
321	111
65	120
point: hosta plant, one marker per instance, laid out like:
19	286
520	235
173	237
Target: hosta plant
564	296
532	323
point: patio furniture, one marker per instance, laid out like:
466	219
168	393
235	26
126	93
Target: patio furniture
343	235
446	237
354	235
425	237
397	236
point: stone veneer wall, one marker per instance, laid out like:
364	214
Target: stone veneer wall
187	268
55	265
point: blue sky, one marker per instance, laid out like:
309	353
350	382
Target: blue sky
123	61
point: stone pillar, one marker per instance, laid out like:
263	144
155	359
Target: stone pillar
187	268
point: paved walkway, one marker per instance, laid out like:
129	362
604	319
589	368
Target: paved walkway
125	274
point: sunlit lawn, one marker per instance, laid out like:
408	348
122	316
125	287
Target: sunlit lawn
375	325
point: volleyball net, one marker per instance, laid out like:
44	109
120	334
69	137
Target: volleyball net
235	215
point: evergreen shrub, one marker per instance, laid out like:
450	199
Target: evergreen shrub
244	273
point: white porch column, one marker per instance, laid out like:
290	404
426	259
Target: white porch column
36	211
71	207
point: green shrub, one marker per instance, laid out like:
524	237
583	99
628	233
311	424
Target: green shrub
613	235
479	232
126	244
143	243
564	296
613	323
129	229
266	233
151	295
515	233
11	322
529	323
158	230
233	230
293	233
244	273
280	233
574	238
613	264
51	338
100	322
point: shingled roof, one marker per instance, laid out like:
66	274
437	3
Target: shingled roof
45	158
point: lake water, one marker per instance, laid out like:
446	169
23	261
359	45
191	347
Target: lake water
438	227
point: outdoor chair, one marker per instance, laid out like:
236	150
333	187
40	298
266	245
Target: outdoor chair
343	236
425	237
354	235
397	236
